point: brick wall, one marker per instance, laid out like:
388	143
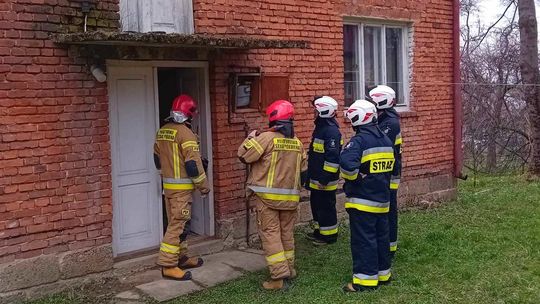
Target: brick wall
55	184
428	127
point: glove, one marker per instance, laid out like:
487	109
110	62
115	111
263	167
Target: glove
205	164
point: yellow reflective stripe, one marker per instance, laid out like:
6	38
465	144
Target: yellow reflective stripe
289	254
176	161
384	277
199	178
298	165
169	248
378	155
190	143
321	187
280	197
276	258
365	282
394	186
318	147
178	186
349	176
393	248
329	232
398	141
365	208
272	170
256	145
330	169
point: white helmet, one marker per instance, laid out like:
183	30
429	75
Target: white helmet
383	96
326	106
361	112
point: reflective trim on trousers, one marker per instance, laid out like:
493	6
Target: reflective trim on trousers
384	275
168	248
393	246
289	254
315	184
276	258
377	153
367	205
365	280
330	230
330	167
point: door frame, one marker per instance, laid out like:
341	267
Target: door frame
203	65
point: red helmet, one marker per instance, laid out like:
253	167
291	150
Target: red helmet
280	110
183	108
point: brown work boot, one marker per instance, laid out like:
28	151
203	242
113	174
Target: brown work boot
187	263
175	273
279	284
293	274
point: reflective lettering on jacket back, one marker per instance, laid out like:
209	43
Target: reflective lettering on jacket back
287	144
166	134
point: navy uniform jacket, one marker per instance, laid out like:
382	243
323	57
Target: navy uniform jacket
367	162
389	124
323	157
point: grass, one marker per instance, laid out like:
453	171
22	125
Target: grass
484	248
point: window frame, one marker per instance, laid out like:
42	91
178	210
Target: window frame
405	53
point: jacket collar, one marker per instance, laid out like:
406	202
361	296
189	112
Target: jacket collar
326	121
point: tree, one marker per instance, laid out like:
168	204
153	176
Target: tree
528	32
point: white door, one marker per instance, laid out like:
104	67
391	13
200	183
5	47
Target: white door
170	16
136	192
192	83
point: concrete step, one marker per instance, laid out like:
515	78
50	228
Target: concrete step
201	248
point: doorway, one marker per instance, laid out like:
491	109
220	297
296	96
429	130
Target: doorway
140	97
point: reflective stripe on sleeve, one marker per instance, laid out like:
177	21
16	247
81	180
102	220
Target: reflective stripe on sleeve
199	178
394	182
365	280
349	175
367	205
331	186
276	258
330	167
277	194
398	140
190	144
377	153
318	145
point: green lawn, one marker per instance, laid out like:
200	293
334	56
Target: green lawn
484	248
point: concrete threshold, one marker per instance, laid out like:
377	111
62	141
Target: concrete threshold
218	268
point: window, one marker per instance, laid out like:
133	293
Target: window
169	16
375	54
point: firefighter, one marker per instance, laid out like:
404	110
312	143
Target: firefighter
323	175
276	158
384	98
366	164
176	153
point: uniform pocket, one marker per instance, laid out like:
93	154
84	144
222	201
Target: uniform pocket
181	208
